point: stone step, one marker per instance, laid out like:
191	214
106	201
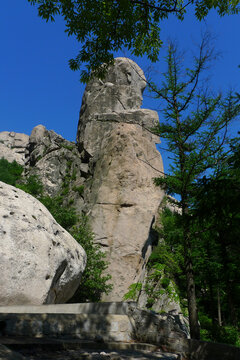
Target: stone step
63	343
47	349
118	308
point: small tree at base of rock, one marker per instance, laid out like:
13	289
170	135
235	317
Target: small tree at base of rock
93	283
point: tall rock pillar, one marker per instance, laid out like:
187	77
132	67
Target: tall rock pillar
122	200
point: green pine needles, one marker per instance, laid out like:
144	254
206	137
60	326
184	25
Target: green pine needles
194	124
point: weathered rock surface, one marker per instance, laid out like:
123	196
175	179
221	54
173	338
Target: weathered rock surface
40	262
121	90
167	302
120	195
13	146
109	173
56	161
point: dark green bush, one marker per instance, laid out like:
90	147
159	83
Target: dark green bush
221	334
93	283
165	282
79	189
32	185
225	334
10	173
65	216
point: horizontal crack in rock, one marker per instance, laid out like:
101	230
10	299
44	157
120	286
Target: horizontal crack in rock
115	204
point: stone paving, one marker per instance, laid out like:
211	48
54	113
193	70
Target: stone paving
85	354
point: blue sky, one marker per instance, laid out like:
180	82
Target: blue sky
37	86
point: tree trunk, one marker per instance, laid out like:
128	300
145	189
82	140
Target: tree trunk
191	296
228	281
191	293
219	308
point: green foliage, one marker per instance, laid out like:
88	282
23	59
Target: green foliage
10	173
74	175
93	283
211	331
65	189
169	250
64	215
133	291
194	125
217	211
105	27
68	147
214	226
79	189
150	302
164	265
31	185
165	282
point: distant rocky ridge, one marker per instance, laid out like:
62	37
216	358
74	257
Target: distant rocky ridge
108	174
13	146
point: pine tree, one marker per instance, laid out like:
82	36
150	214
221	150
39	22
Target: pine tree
217	209
194	126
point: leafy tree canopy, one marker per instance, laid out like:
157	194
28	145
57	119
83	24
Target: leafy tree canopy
103	27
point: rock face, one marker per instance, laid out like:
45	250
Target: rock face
56	161
40	262
13	146
121	199
121	90
108	174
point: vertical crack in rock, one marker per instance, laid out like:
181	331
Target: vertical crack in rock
52	295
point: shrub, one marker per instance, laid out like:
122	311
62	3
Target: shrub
79	189
65	216
133	291
165	282
10	173
93	283
32	185
214	332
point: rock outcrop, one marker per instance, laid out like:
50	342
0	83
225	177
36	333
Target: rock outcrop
120	196
13	146
56	161
40	262
108	174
